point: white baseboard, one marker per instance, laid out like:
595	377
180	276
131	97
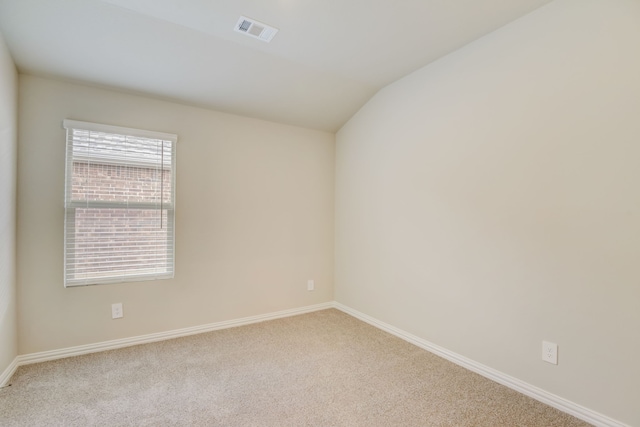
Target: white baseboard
527	389
44	356
8	373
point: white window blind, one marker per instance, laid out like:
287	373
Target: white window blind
119	204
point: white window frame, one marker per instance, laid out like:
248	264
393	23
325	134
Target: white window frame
165	271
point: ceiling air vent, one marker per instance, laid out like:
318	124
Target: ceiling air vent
255	29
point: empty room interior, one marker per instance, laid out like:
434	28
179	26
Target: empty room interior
442	181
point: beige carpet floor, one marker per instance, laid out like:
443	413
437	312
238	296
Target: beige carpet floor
320	369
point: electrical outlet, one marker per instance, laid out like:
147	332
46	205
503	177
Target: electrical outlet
116	311
550	352
311	285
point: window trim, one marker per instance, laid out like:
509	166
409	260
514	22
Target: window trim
70	205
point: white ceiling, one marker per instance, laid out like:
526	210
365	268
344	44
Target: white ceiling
327	60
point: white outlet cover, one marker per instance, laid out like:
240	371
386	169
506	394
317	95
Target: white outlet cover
116	311
311	285
550	352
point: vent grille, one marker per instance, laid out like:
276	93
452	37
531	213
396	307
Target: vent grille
244	25
255	29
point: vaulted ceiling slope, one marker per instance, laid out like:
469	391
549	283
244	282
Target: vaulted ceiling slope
328	58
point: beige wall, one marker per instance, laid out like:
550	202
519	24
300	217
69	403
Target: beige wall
491	201
254	219
8	141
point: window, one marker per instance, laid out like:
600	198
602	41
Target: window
119	204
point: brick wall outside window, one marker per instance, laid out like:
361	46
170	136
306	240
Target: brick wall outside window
123	237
